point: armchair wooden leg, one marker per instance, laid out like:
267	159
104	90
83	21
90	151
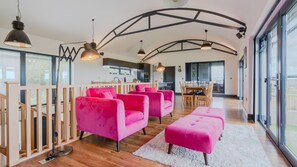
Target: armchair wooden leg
143	129
171	114
81	134
160	119
170	148
205	158
118	146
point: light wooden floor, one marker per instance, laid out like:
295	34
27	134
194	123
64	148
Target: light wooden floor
97	151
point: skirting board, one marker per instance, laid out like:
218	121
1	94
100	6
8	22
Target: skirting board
251	117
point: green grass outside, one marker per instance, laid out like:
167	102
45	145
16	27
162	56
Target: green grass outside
291	143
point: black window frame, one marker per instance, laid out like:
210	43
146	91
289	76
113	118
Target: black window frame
189	68
23	72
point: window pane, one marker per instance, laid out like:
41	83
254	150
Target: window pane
291	81
64	75
273	66
203	72
217	77
194	72
114	70
38	72
125	71
263	76
9	68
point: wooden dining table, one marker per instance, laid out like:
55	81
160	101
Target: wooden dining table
195	88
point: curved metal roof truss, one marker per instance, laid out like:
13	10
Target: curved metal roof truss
177	18
187	45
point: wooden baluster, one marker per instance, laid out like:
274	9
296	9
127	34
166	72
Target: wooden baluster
32	110
1	116
39	120
121	91
49	119
23	126
58	119
116	89
28	122
73	132
12	104
65	133
3	129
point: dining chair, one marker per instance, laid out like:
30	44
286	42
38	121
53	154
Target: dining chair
187	98
205	99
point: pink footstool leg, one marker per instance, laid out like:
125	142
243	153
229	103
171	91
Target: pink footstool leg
204	154
205	158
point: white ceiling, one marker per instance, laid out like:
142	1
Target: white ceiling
70	20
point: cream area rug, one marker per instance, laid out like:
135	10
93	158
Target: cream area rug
239	147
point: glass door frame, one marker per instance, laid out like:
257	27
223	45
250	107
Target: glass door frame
279	139
260	59
241	78
276	136
282	20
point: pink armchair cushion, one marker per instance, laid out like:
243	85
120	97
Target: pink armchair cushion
133	116
141	88
168	94
97	92
210	112
167	103
150	90
106	95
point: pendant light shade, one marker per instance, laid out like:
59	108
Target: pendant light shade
160	67
17	37
141	51
90	52
206	45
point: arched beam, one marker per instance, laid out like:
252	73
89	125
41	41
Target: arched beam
123	29
192	44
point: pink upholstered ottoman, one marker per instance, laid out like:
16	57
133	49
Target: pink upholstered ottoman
210	112
194	132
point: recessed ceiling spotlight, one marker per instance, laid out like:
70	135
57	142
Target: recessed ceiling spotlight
174	3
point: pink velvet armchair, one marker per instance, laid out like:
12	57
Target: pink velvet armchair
161	102
103	112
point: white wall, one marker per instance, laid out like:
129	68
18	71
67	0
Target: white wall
248	41
180	58
83	71
87	71
39	44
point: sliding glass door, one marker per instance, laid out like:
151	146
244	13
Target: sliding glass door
262	81
277	72
273	83
290	83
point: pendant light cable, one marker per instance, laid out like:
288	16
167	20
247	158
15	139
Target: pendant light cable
19	11
93	30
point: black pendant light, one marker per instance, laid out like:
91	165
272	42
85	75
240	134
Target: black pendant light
90	52
160	67
17	37
141	51
206	45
